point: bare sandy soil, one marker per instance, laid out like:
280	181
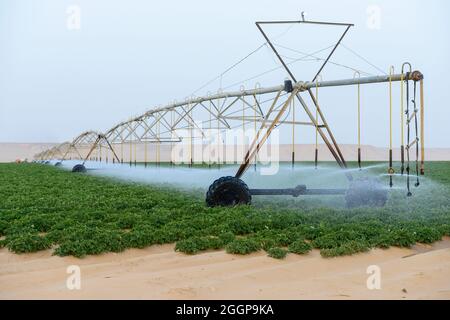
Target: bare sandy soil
422	272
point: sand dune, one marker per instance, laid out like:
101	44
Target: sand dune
304	152
422	272
10	152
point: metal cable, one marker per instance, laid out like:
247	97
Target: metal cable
322	59
229	68
362	58
279	67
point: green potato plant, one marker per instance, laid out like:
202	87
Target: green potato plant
46	208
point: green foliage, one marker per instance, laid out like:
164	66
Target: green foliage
346	248
243	246
426	234
196	244
300	247
81	241
277	253
140	237
27	242
44	207
3	227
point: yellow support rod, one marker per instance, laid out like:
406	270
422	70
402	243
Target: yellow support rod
218	134
257	86
135	154
293	132
243	122
157	143
210	133
390	109
422	131
191	152
121	148
145	154
171	133
359	118
402	129
131	151
316	151
254	128
391	169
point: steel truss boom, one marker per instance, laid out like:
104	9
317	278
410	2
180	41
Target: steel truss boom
225	108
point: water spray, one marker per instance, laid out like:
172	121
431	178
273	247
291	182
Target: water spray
162	125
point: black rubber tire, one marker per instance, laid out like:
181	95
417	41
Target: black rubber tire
228	191
79	168
366	192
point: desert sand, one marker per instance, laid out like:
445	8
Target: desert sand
10	152
158	272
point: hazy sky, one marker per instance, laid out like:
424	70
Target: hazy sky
128	56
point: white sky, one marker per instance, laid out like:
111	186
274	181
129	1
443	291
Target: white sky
129	56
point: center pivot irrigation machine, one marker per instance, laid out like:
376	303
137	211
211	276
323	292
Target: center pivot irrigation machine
264	108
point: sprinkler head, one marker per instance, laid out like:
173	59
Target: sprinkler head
417	184
409	194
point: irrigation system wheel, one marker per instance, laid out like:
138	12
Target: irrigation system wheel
366	192
79	168
58	164
228	191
